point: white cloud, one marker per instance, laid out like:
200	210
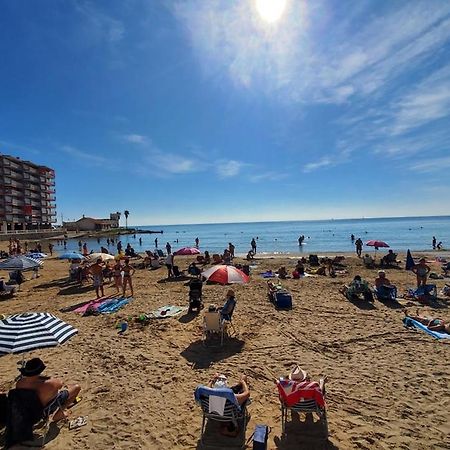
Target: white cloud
228	169
84	156
267	176
136	139
431	165
325	161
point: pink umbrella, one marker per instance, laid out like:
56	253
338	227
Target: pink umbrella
187	251
225	275
377	244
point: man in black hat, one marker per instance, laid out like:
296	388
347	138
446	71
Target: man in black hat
49	390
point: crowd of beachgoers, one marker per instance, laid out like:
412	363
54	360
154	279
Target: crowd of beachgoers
160	334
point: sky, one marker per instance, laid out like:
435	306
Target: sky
202	111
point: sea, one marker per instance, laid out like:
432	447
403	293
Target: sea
321	236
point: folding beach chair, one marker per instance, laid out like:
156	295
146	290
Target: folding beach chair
303	397
221	405
213	325
426	292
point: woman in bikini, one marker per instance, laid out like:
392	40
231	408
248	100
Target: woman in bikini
117	272
421	270
128	272
433	324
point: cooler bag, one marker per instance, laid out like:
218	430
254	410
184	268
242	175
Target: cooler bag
260	437
283	300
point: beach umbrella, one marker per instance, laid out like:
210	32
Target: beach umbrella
225	274
30	331
21	263
409	261
71	255
187	251
103	256
376	244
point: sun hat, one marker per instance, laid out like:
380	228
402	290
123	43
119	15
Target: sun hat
212	307
298	374
220	382
32	367
381	272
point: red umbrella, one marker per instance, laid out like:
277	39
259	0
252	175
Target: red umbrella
187	251
377	244
225	274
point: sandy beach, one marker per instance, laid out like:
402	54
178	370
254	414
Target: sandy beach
387	386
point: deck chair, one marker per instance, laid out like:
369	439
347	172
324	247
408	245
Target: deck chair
422	292
221	405
385	294
213	325
304	397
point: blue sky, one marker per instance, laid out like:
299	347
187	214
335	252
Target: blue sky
204	111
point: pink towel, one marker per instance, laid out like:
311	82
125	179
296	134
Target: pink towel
94	303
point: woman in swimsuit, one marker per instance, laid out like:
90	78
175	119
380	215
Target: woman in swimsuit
117	271
421	270
128	272
433	324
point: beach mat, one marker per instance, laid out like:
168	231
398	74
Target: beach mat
166	311
408	322
113	305
94	303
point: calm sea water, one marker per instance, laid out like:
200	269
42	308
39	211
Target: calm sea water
414	233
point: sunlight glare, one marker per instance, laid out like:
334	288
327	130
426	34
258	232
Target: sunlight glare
270	10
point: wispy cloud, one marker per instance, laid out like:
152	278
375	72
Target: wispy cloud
431	165
228	168
267	176
85	156
136	139
325	161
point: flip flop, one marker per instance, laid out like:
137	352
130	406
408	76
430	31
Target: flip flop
78	422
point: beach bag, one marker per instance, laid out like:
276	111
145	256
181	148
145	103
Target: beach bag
260	437
283	300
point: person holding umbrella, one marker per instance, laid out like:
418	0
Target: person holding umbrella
53	397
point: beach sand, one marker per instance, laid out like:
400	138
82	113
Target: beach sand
387	386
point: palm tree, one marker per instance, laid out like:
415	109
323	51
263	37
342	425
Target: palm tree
126	213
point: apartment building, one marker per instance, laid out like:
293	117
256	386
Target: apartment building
27	200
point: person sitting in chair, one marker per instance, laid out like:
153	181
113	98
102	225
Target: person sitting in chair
227	309
194	270
368	261
282	273
241	392
385	289
53	397
390	258
357	287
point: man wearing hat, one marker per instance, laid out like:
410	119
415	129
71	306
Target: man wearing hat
49	390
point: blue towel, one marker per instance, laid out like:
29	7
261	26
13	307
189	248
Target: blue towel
408	322
111	306
218	392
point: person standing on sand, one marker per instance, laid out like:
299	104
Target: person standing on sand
168	248
128	272
359	246
421	270
117	273
169	265
253	244
50	392
96	270
231	249
50	248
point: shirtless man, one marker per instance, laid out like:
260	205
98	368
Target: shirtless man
97	273
53	397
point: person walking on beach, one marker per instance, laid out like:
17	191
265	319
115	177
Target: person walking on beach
433	242
96	271
231	249
169	265
168	248
359	246
128	272
117	273
253	244
197	241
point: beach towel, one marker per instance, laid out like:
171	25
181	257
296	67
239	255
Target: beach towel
409	323
291	392
113	305
94	303
166	311
268	274
225	393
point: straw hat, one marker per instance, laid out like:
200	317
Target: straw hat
298	374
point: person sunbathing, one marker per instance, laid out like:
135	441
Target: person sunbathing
433	324
53	397
241	392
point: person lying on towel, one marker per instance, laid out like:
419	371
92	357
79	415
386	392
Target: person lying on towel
53	397
433	324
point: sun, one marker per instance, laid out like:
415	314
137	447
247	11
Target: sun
270	10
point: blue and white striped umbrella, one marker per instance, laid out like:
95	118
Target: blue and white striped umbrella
21	263
36	255
71	255
30	331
